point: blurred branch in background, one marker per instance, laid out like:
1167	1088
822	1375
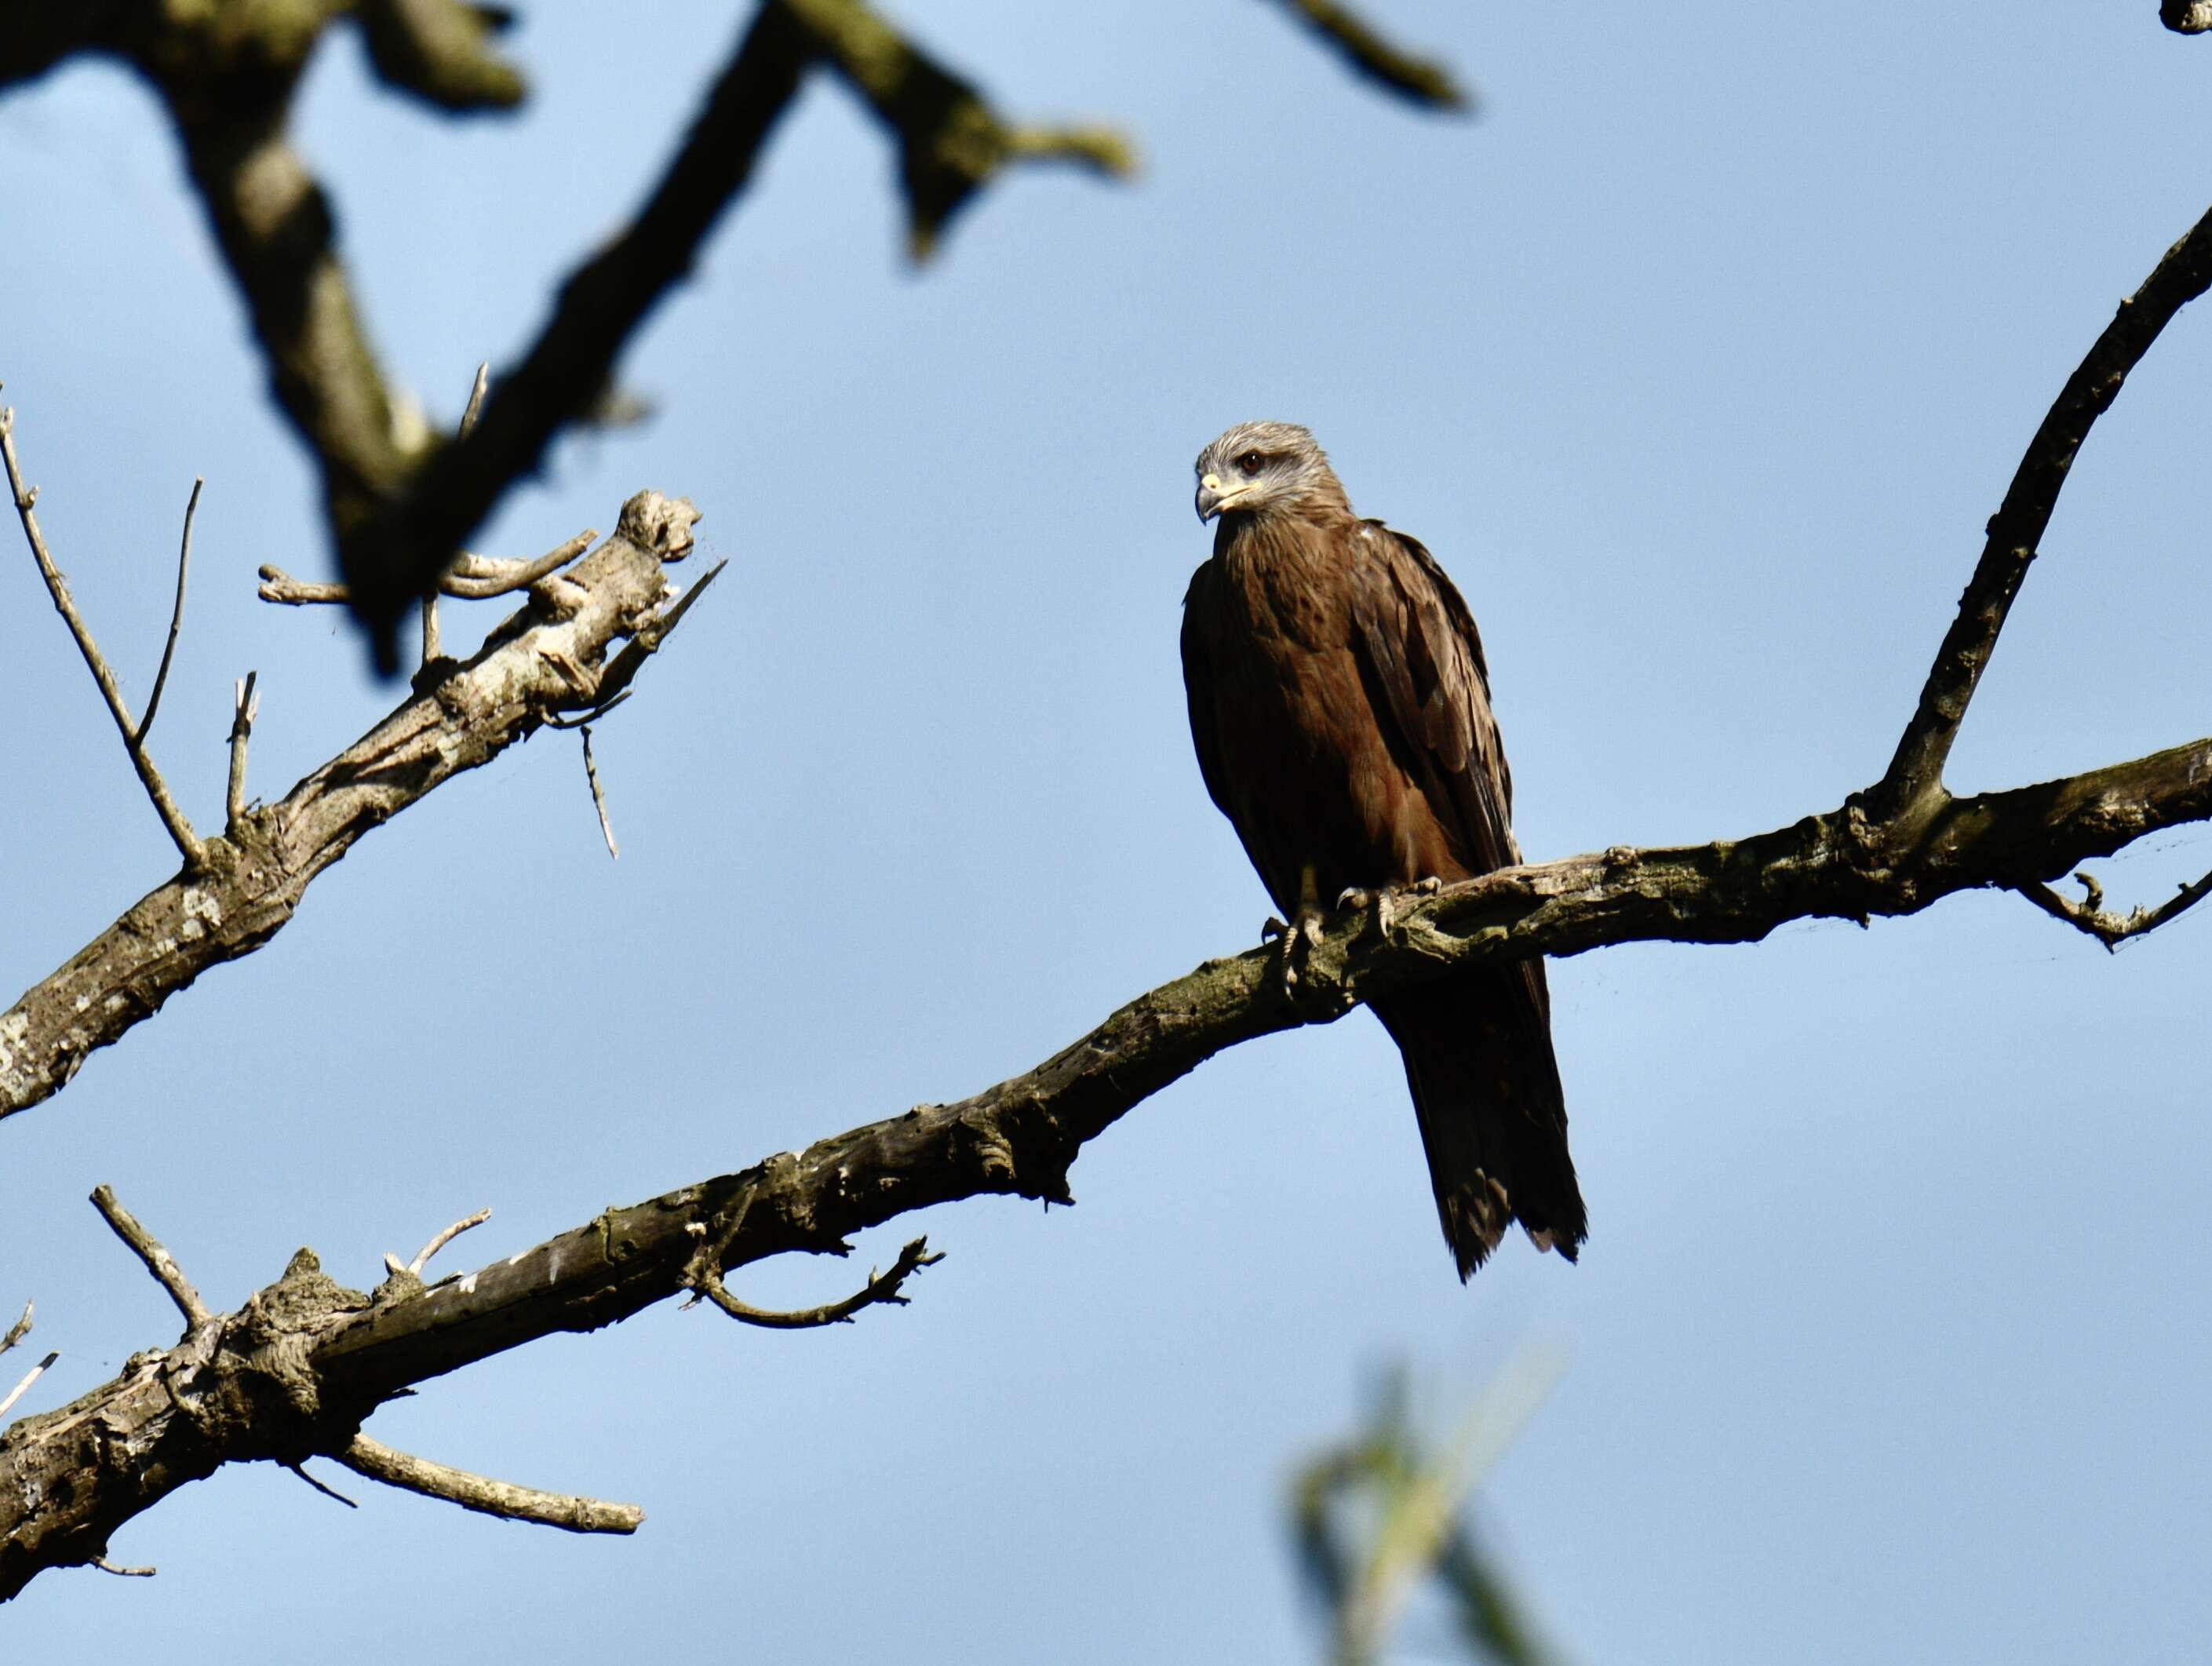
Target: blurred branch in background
399	501
1376	1517
1418	80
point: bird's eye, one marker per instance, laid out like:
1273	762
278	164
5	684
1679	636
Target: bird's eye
1249	463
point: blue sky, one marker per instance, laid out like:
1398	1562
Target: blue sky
1700	359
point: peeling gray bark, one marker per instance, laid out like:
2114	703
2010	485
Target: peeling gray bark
551	656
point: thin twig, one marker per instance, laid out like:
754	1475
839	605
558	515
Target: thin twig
706	1280
172	819
106	1566
645	641
1916	772
430	644
17	1331
279	586
158	1260
29	1377
2111	930
423	1258
574	1513
591	716
474	578
246	707
324	1488
176	616
477	392
599	799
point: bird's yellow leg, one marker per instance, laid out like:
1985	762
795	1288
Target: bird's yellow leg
1384	898
1301	934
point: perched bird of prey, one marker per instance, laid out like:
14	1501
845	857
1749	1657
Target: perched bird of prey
1340	707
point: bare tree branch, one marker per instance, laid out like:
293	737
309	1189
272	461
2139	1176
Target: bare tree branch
148	1249
2113	929
556	653
704	1276
599	798
246	707
473	578
305	1361
1916	773
149	777
321	1487
176	617
488	1496
464	1224
23	1385
1419	80
16	1332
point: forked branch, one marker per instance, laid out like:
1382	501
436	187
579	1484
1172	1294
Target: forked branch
24	497
1916	772
2090	915
574	645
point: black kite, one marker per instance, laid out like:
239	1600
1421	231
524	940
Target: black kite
1342	710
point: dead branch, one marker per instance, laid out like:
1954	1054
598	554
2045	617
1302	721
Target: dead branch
148	1250
16	1332
322	1486
556	653
2111	929
245	708
485	1496
172	819
176	616
23	1385
599	798
1915	775
473	578
466	1223
703	1276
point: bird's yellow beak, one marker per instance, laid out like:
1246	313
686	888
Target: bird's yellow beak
1212	500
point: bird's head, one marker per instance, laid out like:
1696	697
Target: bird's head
1262	467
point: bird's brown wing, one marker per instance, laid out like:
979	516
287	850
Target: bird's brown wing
1198	684
1478	1048
1421	658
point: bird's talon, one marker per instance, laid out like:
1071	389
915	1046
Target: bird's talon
1428	886
1353	898
1271	928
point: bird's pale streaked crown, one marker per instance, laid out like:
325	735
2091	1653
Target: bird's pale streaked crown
1256	467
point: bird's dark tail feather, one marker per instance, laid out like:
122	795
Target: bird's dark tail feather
1478	1058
